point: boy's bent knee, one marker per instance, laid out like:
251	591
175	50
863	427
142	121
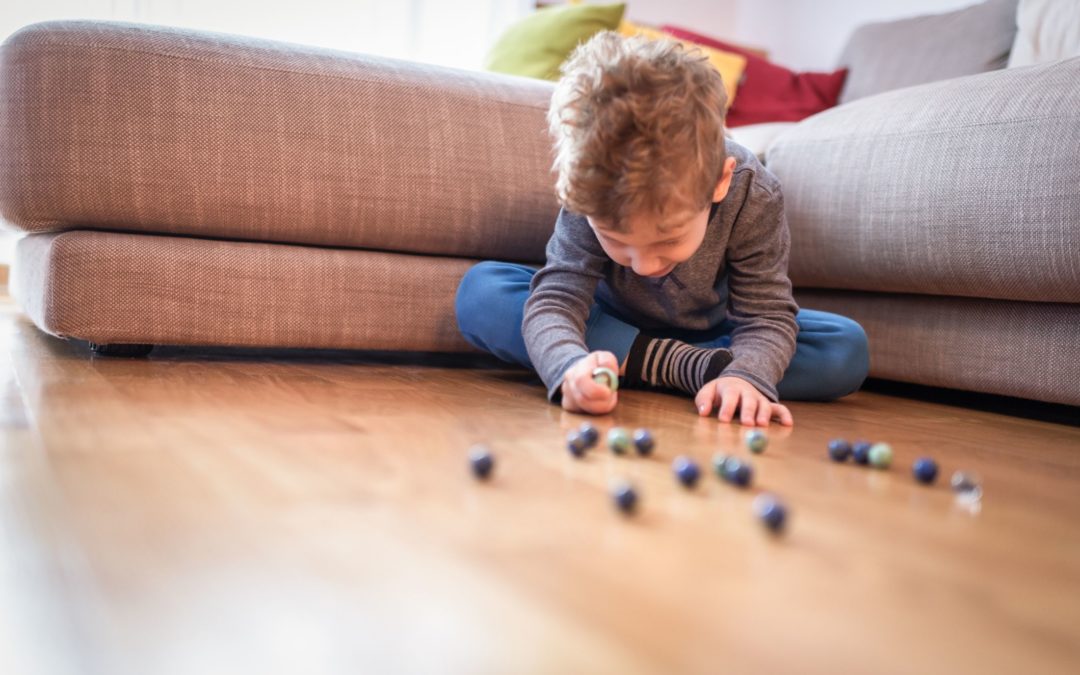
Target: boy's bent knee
476	278
849	360
489	301
475	284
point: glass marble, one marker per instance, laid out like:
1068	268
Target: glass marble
618	439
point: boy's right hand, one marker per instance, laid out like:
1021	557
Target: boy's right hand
580	393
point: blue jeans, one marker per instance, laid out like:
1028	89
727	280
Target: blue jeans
831	354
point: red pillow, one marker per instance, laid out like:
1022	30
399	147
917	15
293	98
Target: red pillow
772	93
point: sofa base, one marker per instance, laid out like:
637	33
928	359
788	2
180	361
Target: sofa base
132	289
1023	349
128	351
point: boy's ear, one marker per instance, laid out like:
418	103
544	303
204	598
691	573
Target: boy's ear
725	180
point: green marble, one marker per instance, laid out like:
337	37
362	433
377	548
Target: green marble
607	377
618	439
718	463
880	455
756	440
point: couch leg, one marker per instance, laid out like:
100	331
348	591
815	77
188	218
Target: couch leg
130	351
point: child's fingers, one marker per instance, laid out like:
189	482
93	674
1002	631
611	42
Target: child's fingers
603	407
704	399
597	405
782	413
570	396
748	410
606	360
729	400
590	389
764	413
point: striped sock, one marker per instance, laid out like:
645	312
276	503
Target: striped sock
673	364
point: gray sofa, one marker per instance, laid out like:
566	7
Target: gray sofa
946	219
185	187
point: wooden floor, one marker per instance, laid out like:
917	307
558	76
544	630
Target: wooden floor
215	512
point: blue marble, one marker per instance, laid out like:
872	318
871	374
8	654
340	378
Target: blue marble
925	470
860	452
644	442
686	471
839	450
481	461
771	511
589	434
576	443
624	496
738	472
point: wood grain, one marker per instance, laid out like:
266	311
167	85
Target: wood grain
215	511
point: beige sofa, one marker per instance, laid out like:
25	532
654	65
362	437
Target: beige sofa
185	187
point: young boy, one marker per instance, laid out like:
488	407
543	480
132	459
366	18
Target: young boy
668	263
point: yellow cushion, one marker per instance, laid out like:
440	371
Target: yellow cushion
730	66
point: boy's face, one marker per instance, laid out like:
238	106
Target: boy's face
654	245
649	250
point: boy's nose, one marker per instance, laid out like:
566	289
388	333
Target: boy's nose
647	268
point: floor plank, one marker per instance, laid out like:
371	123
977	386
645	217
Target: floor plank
276	511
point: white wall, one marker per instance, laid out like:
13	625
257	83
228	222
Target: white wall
436	31
800	34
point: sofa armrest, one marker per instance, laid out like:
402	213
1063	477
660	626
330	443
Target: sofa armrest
964	187
121	126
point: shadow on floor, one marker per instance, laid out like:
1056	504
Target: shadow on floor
1005	405
341	356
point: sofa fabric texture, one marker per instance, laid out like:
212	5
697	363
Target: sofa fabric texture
1024	349
969	187
143	128
894	54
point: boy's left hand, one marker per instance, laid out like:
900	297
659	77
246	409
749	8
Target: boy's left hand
755	409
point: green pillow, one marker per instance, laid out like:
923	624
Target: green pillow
538	44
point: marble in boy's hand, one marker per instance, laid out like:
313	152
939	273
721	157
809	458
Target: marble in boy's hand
731	393
581	393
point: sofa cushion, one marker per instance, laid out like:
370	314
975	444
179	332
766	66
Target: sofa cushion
967	187
729	64
537	45
894	54
758	137
1046	30
1024	349
769	92
119	126
134	288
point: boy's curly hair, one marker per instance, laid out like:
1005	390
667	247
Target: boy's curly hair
638	126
